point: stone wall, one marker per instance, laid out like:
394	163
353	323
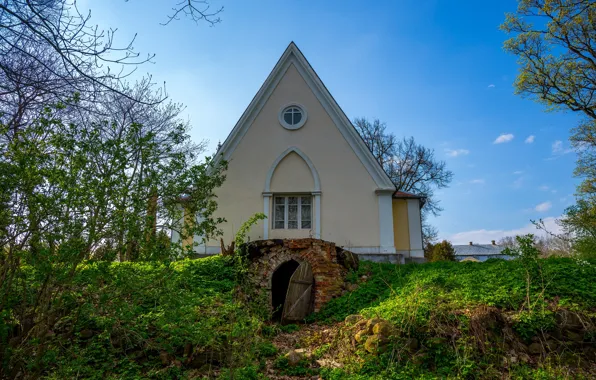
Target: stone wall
329	264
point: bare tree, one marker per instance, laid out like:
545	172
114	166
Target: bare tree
196	10
548	245
50	52
411	166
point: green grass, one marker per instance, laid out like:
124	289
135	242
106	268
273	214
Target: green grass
434	303
139	311
498	283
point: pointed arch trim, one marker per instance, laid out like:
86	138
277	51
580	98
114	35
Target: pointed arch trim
313	170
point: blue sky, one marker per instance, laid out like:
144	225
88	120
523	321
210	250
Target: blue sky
434	70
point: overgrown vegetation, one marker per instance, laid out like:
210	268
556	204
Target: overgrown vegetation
478	320
185	319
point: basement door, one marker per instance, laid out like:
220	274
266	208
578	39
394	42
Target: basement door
298	297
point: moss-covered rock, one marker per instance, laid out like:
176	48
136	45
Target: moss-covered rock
376	344
383	328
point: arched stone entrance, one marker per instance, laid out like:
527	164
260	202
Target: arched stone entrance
329	265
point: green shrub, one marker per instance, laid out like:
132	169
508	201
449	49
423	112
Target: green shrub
442	251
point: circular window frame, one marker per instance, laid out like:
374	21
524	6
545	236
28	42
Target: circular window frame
291	127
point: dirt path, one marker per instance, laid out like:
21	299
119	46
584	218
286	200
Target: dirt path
305	342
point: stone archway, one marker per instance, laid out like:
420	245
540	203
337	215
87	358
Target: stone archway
329	265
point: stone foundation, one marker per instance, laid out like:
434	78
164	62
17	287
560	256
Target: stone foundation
329	264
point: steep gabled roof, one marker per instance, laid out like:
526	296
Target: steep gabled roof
293	55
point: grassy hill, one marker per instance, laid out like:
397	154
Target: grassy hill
449	320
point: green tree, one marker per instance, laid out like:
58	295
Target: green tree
442	251
555	42
72	193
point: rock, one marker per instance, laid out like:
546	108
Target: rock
86	334
363	278
351	319
412	344
361	336
187	350
347	259
302	352
293	358
574	337
371	323
535	348
376	344
164	357
328	363
569	320
14	342
557	333
382	328
419	359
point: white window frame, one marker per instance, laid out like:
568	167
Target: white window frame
299	215
285	108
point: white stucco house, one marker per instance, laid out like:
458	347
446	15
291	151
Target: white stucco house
295	156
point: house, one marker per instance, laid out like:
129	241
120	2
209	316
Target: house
479	252
296	157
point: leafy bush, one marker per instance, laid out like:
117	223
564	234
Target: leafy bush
442	251
134	319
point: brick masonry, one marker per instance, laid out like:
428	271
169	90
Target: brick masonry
329	264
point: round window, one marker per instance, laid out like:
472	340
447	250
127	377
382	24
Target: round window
292	116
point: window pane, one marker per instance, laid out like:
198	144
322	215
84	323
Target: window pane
288	117
305	212
306	200
280	200
306	224
297	118
278	216
292	212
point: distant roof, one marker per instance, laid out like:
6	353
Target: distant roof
403	194
477	249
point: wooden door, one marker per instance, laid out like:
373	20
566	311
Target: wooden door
297	304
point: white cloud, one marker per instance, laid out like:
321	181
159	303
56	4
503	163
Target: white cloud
491	86
456	152
559	149
543	188
530	139
518	172
477	181
503	138
485	236
543	207
518	183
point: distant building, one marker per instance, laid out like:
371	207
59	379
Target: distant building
479	252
